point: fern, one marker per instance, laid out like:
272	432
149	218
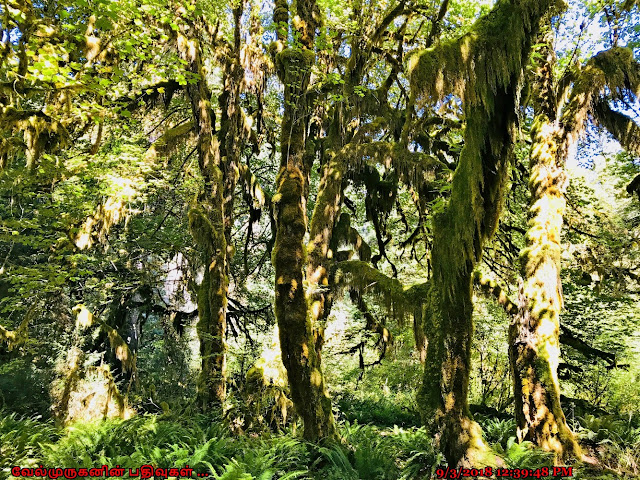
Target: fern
338	461
499	431
524	455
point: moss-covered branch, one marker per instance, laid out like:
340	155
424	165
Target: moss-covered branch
170	139
364	278
414	168
623	128
615	69
477	64
491	288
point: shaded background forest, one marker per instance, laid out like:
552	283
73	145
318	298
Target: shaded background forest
178	179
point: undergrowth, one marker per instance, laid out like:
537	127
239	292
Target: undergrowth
366	452
206	445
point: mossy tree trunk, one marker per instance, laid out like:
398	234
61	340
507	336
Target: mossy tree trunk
486	70
460	231
300	347
534	345
232	140
320	255
299	344
207	224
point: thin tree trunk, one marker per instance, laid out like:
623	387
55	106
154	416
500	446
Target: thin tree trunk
207	224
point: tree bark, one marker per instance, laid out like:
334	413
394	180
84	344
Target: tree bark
299	342
207	224
534	344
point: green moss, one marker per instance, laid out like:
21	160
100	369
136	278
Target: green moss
616	69
484	68
294	63
212	301
623	128
345	234
483	61
121	348
364	278
413	168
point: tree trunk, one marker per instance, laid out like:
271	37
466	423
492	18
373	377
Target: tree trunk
534	346
299	343
207	224
490	90
460	231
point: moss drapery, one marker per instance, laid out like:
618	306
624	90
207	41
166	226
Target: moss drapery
485	68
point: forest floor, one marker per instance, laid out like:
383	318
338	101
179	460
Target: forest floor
367	451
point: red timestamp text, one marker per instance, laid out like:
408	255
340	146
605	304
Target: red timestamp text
489	472
461	472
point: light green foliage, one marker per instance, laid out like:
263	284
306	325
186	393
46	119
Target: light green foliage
490	382
205	445
525	455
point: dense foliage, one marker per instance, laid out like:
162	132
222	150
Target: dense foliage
320	239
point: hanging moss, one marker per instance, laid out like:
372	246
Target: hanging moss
121	348
168	141
41	133
345	234
267	389
476	66
110	212
365	279
86	393
252	187
416	169
614	68
623	128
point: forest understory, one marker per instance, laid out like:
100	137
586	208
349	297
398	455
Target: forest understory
358	240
